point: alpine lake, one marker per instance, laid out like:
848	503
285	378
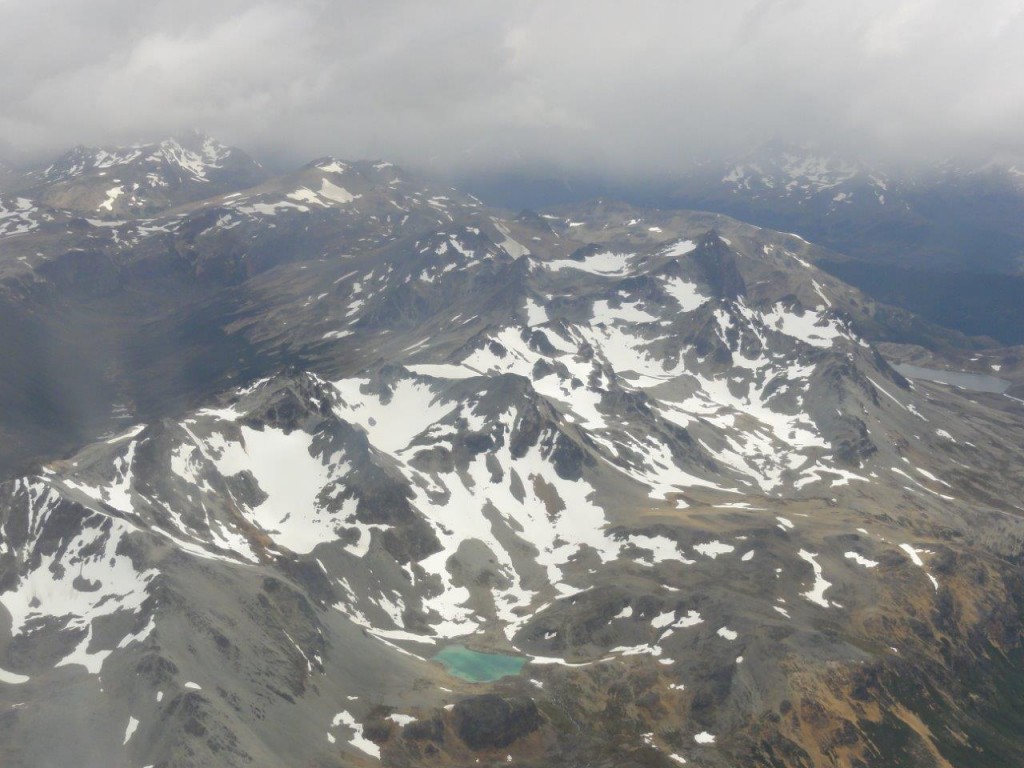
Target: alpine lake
477	667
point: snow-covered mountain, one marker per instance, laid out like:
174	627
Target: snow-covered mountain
355	420
805	179
944	242
142	179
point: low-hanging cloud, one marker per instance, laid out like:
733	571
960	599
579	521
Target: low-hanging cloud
638	88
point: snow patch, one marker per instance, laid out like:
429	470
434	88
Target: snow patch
860	559
358	741
12	678
713	549
816	594
335	193
130	730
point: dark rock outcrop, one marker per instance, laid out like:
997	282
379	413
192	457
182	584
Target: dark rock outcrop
492	721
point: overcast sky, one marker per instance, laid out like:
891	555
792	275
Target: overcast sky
483	84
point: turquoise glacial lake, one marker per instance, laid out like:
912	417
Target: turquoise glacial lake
479	667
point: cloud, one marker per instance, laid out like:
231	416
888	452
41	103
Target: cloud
636	88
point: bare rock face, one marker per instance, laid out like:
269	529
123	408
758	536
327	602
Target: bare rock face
718	265
491	721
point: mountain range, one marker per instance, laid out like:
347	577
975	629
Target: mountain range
276	446
944	241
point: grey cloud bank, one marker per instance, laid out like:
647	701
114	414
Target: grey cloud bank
638	88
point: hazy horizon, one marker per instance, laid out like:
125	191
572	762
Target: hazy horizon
467	88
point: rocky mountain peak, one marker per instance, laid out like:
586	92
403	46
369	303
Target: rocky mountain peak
143	178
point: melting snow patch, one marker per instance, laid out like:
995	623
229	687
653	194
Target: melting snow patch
663	620
817	289
304	195
130	730
811	327
332	166
662	548
335	193
512	247
443	371
680	248
817	593
637	650
112	194
11	678
704	738
402	720
912	554
685	294
358	740
535	313
713	549
193	686
691	619
860	559
915	558
931	476
412	408
291	478
727	633
605	264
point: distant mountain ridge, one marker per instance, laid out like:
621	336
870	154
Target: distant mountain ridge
944	241
139	180
943	217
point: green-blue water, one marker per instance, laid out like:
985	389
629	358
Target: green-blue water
478	667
